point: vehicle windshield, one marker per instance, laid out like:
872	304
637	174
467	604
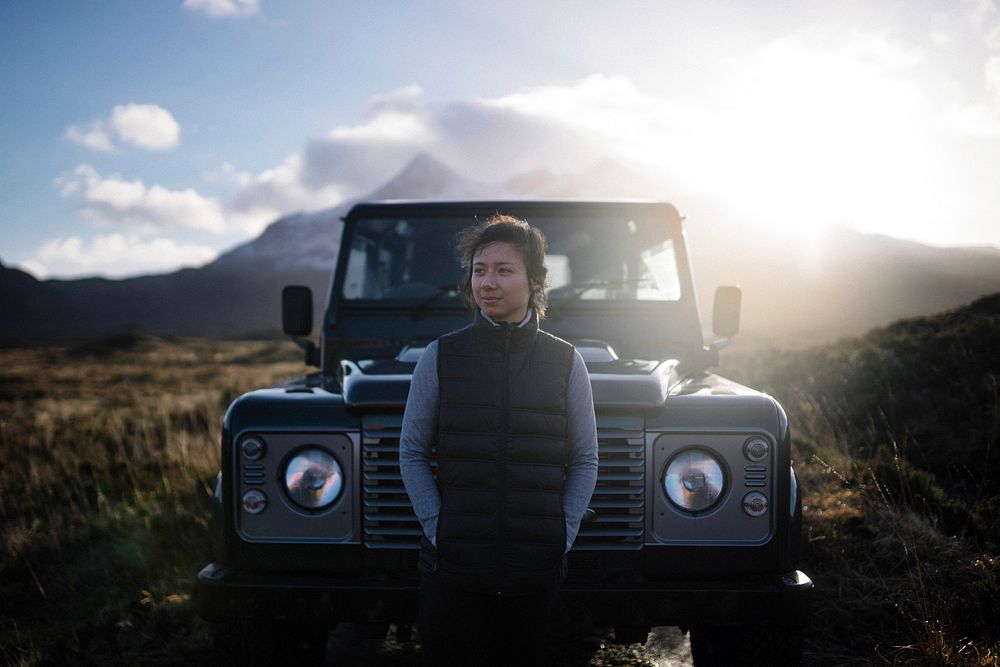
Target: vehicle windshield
588	259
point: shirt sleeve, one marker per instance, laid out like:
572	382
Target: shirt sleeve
416	440
581	467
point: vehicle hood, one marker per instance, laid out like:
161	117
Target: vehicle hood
616	383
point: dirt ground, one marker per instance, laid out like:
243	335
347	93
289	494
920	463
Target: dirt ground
352	645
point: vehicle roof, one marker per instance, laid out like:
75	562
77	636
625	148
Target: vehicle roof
485	206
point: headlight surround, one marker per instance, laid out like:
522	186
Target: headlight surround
313	479
694	480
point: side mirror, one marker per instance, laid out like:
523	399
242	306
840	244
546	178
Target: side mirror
726	311
296	310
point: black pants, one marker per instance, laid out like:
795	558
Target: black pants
459	627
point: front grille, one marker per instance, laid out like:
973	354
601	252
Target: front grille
388	520
619	498
387	516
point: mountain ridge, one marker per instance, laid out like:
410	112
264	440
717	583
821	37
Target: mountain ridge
856	282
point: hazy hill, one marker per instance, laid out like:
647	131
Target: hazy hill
922	390
192	302
894	441
841	282
845	283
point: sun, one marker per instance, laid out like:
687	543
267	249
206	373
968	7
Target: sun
801	137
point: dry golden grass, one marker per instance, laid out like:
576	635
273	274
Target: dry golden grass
897	583
109	453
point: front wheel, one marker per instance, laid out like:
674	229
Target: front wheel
749	646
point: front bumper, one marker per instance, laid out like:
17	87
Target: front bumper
222	594
773	599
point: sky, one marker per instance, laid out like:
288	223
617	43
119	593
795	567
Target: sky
142	137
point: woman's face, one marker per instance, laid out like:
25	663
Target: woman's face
500	282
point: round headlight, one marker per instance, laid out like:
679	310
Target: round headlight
313	479
694	480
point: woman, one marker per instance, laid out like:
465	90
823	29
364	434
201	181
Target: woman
510	412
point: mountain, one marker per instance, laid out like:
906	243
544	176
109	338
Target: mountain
425	177
529	183
840	283
237	295
304	241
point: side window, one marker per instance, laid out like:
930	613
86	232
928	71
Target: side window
359	279
558	274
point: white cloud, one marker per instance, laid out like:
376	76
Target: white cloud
992	75
389	125
600	114
993	38
982	11
979	120
595	95
95	137
275	192
483	139
981	117
113	200
881	51
35	268
405	98
146	126
228	176
806	118
564	128
801	100
114	255
223	8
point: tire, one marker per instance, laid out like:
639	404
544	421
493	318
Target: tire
268	642
749	646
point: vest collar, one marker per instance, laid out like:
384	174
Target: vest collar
522	335
525	321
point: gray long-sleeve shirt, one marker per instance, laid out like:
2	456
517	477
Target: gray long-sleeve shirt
420	422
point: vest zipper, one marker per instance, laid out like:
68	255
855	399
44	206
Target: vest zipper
502	458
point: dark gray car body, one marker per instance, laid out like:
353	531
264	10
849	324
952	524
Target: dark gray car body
639	560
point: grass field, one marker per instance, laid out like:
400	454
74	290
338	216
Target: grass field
109	451
109	455
895	438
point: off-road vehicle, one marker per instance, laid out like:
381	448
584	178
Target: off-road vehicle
695	521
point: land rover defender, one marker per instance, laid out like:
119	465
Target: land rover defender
695	521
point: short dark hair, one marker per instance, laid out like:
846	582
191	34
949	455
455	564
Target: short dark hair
527	240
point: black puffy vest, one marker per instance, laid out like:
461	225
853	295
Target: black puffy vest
501	452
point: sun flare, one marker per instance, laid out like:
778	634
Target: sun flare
803	137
